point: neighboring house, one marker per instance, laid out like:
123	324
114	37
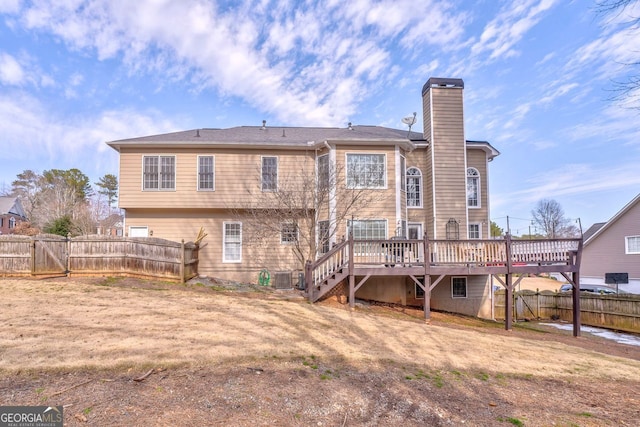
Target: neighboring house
111	226
11	213
614	247
435	182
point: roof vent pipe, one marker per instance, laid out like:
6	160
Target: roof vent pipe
350	126
264	124
197	133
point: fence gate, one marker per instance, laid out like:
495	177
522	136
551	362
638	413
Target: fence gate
50	255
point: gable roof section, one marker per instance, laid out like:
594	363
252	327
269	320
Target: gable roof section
289	137
605	226
11	205
276	137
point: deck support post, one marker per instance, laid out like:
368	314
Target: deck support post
352	279
508	302
427	297
576	304
427	279
308	280
508	297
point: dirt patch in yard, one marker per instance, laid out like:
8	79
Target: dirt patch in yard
217	353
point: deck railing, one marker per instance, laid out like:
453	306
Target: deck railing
411	252
336	259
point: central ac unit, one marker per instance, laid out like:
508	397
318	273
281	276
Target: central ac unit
282	280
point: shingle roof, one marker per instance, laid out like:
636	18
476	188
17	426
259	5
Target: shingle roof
290	137
10	205
593	234
592	230
276	135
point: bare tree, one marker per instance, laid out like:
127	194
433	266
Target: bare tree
549	216
27	187
293	213
627	89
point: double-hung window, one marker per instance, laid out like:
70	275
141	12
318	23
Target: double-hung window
632	244
289	233
473	188
474	231
206	173
324	233
159	173
232	242
323	173
269	173
366	170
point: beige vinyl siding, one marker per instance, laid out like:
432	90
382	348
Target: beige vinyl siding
449	149
478	159
381	203
184	224
477	303
606	252
237	177
420	159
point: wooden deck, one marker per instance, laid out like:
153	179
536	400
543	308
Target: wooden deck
403	257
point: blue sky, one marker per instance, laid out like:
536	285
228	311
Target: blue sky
538	81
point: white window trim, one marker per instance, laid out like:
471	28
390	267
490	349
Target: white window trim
420	182
224	243
479	205
479	231
386	224
175	172
403	173
466	287
346	177
198	173
277	174
626	245
285	242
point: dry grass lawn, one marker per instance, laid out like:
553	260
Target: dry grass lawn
217	355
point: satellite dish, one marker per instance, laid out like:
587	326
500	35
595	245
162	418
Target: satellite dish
409	120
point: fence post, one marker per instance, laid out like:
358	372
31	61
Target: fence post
33	256
182	258
68	263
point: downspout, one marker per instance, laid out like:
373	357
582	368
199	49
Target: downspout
332	195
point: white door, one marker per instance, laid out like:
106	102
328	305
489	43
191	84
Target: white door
415	232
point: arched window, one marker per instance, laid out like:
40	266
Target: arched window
12	222
414	188
473	188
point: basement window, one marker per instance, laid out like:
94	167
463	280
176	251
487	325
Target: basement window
458	287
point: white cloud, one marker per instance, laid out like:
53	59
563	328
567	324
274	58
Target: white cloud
279	57
11	72
9	6
43	136
509	27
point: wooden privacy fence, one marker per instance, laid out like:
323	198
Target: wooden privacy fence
97	255
613	311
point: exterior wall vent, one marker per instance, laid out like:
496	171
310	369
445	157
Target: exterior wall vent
282	280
